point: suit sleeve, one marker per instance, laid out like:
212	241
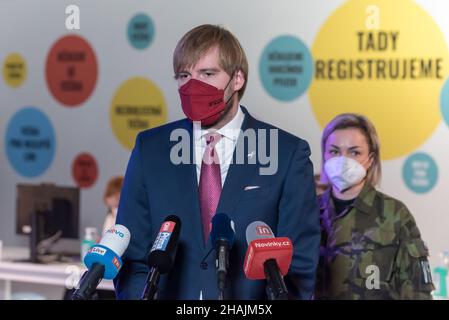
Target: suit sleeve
299	220
134	213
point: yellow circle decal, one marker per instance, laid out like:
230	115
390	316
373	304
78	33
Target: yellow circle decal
387	60
137	105
14	70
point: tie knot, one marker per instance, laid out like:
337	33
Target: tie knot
212	139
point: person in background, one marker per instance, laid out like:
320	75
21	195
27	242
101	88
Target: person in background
111	199
371	247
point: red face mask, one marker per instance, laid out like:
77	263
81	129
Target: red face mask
202	102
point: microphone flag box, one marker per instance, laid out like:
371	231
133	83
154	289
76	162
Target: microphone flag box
105	256
261	250
163	236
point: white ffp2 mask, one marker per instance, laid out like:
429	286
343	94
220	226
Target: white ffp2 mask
344	172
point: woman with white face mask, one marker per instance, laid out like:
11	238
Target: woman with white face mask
371	247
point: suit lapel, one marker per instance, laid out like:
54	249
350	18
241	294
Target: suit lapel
187	177
238	175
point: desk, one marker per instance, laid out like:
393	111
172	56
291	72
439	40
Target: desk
58	274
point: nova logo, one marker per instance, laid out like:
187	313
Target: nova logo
263	231
116	232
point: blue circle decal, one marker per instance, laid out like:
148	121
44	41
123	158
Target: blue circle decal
30	142
140	31
420	172
286	68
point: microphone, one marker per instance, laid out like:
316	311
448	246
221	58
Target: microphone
222	237
268	258
103	261
162	255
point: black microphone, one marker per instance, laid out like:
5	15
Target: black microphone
162	255
222	238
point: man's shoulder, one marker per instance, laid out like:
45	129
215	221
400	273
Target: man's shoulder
285	138
164	131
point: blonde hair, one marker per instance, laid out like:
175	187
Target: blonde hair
195	43
366	127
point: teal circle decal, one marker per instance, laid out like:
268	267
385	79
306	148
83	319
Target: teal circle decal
420	172
140	31
286	68
444	100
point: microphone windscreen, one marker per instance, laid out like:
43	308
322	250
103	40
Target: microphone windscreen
258	230
222	229
163	252
109	251
116	238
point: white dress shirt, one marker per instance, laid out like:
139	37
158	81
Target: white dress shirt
224	148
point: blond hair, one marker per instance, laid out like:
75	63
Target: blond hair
195	43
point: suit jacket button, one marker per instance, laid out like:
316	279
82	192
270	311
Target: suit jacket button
203	265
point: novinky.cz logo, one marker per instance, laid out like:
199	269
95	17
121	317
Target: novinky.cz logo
272	244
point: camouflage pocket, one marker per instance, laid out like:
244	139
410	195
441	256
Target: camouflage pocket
380	251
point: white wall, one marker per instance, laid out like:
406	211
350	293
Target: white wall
31	28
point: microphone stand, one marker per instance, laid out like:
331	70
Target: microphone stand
89	282
150	290
275	283
222	267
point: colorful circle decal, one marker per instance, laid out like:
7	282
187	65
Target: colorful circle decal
445	101
30	142
84	170
14	70
137	105
370	58
286	68
420	172
71	70
140	31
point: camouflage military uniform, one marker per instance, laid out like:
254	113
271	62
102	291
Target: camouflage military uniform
372	250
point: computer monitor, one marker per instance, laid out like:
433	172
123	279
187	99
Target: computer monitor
48	213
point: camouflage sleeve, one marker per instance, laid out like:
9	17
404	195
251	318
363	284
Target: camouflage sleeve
413	277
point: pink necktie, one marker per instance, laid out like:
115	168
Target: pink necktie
210	182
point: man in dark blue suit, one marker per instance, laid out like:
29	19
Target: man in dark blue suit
219	159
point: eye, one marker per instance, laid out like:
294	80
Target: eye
208	74
333	152
355	153
181	76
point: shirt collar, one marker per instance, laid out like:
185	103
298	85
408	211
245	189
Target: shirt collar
230	131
